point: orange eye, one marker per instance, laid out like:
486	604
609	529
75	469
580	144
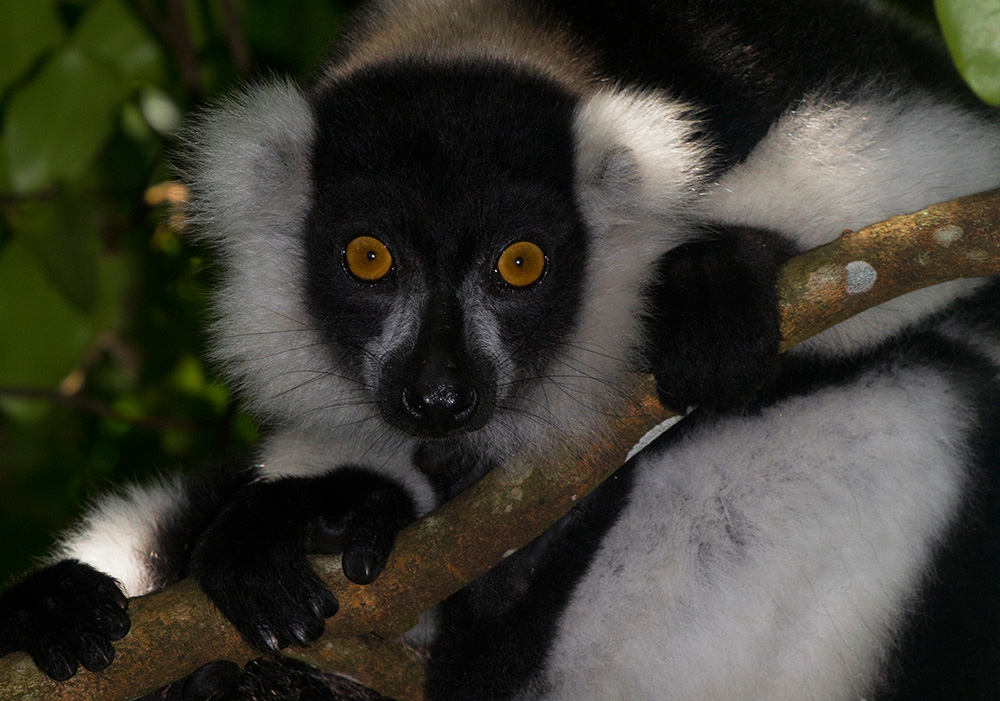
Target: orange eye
522	264
368	259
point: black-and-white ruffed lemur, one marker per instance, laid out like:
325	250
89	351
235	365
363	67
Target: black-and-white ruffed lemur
465	236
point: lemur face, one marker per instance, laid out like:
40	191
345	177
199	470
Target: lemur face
443	262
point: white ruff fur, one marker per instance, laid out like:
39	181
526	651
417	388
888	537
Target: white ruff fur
251	186
779	553
828	166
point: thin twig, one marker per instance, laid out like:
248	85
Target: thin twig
232	29
175	34
95	406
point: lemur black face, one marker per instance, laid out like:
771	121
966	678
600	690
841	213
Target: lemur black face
445	253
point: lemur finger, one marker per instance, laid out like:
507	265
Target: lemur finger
112	621
93	651
214	680
53	658
364	560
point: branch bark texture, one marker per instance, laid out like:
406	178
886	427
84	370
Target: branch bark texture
176	630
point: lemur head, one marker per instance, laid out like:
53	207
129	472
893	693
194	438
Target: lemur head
445	252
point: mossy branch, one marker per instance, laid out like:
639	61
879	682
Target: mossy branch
176	630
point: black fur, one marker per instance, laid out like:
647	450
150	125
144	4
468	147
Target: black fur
252	560
745	63
713	328
64	615
450	467
271	679
204	494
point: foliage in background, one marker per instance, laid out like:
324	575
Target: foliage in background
100	303
101	379
972	30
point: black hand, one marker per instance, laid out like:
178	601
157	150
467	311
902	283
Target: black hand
64	615
252	562
714	323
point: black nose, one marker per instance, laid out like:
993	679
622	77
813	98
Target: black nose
440	407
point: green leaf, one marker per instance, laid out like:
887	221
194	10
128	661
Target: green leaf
111	33
972	30
61	235
28	28
43	337
55	125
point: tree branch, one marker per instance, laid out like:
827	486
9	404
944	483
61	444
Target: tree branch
179	630
92	405
174	32
235	40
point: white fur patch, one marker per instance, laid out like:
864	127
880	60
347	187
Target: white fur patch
770	557
638	169
117	534
827	166
399	330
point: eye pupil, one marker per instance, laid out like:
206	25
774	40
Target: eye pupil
372	255
519	261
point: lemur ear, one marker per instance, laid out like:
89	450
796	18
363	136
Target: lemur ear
637	162
616	175
247	164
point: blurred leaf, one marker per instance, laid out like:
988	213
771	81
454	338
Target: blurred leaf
112	33
124	164
56	124
77	97
972	30
28	28
160	111
4	174
41	337
61	235
134	124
